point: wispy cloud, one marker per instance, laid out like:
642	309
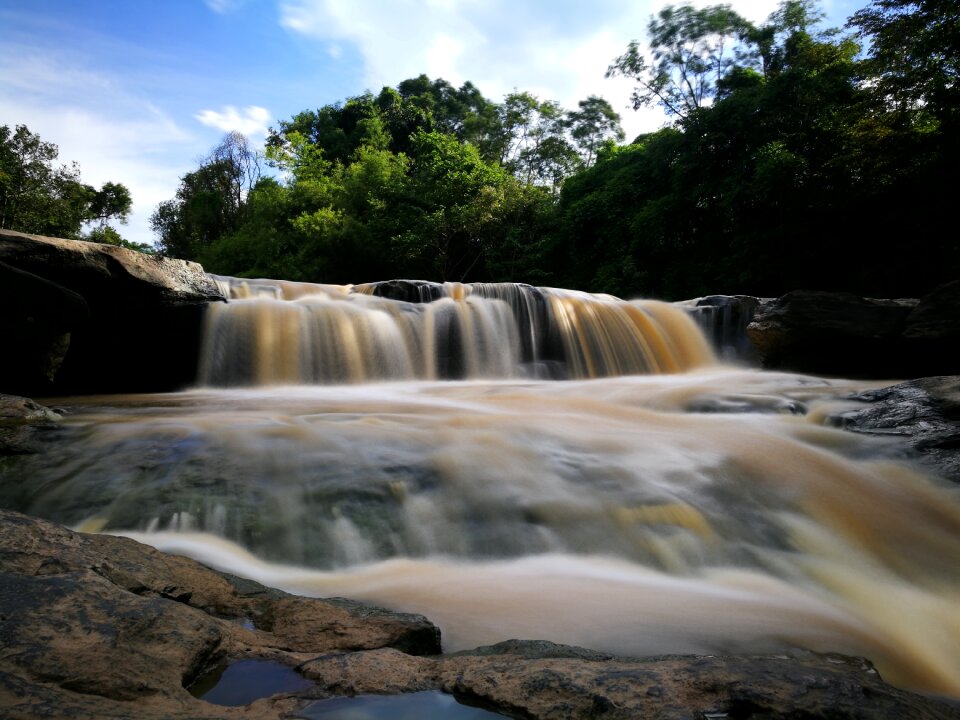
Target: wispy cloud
223	6
252	121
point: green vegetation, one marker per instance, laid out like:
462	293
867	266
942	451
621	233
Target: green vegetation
794	156
40	198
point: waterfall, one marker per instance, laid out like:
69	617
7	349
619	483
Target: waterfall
273	332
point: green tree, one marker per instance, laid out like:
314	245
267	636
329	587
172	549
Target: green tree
691	51
210	200
594	124
39	197
914	58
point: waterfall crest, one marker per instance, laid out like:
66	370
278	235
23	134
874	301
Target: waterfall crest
275	332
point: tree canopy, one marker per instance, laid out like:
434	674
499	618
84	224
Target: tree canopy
39	197
793	155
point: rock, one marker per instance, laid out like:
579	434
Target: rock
924	412
932	331
842	334
117	320
543	680
36	324
413	291
102	626
832	334
21	421
96	626
724	320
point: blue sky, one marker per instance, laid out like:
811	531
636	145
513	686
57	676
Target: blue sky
136	91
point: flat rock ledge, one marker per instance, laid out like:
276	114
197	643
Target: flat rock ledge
97	626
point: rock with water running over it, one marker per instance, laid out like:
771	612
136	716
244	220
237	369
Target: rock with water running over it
924	412
96	626
98	318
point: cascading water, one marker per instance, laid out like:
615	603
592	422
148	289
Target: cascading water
707	509
282	333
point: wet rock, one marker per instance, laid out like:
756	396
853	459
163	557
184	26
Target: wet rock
99	318
543	680
95	626
102	626
924	412
22	421
724	320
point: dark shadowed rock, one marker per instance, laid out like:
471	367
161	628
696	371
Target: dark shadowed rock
724	320
100	318
414	291
832	334
96	626
924	412
36	324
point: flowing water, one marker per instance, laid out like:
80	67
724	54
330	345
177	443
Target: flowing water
652	502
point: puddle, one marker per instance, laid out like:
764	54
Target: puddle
433	705
244	681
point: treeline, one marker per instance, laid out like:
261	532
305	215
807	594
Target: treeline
423	180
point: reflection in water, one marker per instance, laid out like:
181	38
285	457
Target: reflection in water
412	706
635	514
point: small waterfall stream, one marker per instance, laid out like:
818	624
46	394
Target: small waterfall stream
409	444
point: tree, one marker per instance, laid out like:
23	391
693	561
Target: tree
38	197
914	60
692	51
591	126
210	200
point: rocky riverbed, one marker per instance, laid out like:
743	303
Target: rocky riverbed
96	626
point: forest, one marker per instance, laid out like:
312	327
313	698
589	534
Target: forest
793	156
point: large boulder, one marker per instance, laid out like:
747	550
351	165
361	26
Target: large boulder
831	334
87	317
841	334
96	626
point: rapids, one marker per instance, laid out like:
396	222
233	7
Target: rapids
707	510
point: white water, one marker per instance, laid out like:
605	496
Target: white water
607	513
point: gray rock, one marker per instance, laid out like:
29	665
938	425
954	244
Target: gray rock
925	413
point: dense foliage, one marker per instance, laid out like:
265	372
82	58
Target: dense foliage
793	158
39	197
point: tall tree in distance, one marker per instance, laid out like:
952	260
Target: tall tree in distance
594	124
692	50
210	200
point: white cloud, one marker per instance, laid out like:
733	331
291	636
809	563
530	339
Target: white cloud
113	135
253	121
558	50
223	6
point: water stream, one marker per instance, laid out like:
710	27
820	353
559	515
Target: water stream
707	509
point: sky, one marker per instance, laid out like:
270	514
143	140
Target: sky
138	91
